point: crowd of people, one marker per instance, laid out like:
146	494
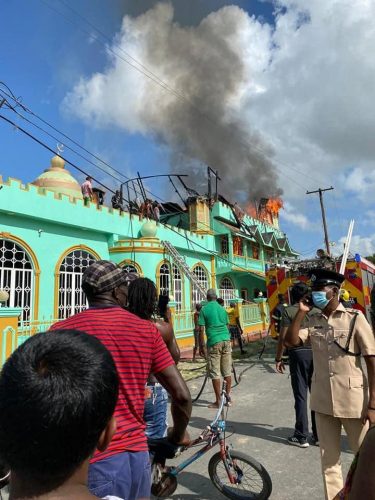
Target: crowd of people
149	209
78	403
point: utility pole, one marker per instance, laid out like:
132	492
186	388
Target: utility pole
321	191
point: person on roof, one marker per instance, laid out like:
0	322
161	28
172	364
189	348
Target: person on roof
87	191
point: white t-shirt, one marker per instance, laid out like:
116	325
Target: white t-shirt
110	497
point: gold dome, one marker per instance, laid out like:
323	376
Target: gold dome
56	178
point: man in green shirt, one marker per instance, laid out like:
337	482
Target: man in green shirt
214	319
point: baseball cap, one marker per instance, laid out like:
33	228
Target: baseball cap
103	275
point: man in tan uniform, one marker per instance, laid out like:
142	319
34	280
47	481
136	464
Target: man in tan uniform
339	395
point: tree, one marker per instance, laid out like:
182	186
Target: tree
371	258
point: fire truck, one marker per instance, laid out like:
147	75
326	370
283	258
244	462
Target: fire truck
359	280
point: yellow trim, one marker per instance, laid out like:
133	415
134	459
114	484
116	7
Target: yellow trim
22	243
157	275
249	271
200	264
213	272
132	263
57	271
136	250
225	277
171	280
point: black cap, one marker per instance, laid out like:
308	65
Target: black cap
324	277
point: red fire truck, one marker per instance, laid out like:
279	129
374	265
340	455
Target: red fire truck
359	280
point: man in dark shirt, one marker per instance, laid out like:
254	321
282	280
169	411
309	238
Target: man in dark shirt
278	312
301	370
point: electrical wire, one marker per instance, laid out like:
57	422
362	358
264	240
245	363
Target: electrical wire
41	143
18	102
169	227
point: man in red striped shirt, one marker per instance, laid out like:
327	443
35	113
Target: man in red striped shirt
137	347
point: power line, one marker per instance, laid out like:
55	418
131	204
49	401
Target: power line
18	103
163	84
41	143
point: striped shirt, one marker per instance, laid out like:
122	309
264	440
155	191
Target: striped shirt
138	349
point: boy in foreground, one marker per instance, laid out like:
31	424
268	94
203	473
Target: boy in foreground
58	392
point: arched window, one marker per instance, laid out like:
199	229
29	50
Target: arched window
72	300
17	276
129	268
164	279
227	291
177	287
202	277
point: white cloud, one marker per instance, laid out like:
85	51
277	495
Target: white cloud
307	87
360	182
364	245
306	90
290	214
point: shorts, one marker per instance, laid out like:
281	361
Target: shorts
126	475
219	360
156	411
234	332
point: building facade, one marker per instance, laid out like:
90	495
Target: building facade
48	237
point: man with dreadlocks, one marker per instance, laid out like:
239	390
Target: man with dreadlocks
142	302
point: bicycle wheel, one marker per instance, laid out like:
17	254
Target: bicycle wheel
253	481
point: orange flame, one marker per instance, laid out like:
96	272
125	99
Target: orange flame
251	210
274	205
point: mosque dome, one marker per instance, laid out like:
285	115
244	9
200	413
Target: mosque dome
56	178
149	229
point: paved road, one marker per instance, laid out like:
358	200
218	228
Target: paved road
262	417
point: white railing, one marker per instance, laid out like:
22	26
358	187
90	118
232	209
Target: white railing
183	323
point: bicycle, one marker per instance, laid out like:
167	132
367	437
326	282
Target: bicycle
195	398
227	468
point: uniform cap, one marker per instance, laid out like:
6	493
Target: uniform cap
324	277
103	276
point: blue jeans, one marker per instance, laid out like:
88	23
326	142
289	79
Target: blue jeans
126	475
155	412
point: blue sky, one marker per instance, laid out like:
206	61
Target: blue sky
43	57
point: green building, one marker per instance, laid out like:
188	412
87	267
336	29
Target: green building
48	237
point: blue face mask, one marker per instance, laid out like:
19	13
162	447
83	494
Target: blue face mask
320	299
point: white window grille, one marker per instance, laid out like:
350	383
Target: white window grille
17	277
129	268
227	291
164	279
202	277
177	287
72	300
